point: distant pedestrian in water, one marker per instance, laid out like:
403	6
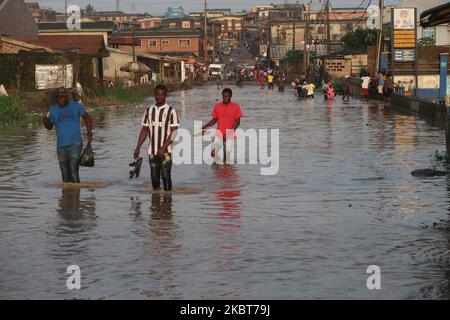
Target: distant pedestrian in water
262	80
330	91
270	79
380	83
65	117
347	89
388	87
310	87
228	116
365	83
282	83
325	90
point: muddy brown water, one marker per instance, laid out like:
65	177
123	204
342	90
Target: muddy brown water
344	199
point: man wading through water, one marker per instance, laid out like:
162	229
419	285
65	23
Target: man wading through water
65	117
228	116
159	123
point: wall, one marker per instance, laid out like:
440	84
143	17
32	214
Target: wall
18	70
359	61
432	112
112	64
443	35
337	67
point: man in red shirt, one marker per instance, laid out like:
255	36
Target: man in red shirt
228	116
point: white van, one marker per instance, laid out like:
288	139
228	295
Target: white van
215	70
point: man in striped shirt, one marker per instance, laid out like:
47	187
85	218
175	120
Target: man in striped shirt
159	123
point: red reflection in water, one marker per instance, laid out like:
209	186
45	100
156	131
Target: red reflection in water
228	195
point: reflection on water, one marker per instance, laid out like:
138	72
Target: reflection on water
343	199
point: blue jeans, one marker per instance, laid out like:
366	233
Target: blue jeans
69	162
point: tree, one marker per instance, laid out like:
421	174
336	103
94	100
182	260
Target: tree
359	39
427	41
294	56
88	10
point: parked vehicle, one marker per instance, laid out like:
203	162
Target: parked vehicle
215	71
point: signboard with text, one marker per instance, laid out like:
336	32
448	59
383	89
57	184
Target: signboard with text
404	55
404	34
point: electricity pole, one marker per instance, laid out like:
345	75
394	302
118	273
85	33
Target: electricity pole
305	48
214	43
380	37
117	5
327	26
293	26
206	30
65	8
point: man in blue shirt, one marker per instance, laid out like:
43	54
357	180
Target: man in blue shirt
65	117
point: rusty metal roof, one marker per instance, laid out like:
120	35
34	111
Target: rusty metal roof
84	44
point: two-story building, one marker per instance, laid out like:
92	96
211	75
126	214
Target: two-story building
171	42
231	27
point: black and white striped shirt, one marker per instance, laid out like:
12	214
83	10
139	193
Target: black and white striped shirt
161	121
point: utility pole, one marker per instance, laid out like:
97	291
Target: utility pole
293	26
214	43
117	5
65	8
327	26
206	30
380	37
306	47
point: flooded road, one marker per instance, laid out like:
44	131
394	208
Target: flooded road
344	199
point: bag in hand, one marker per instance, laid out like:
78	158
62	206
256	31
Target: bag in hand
87	157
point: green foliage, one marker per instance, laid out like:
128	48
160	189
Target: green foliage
11	111
293	56
359	39
428	41
88	10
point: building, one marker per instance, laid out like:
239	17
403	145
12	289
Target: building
116	16
12	45
148	23
99	28
211	13
186	23
231	27
41	14
16	20
118	58
159	41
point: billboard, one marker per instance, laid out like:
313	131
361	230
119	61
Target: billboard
404	34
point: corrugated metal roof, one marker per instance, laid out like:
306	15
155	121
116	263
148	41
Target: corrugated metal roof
97	25
85	44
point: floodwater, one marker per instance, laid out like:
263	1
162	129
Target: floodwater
343	200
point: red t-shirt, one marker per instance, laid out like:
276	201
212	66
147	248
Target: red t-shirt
226	116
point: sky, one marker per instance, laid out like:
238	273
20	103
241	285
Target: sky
157	7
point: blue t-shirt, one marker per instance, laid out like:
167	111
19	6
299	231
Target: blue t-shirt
67	123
